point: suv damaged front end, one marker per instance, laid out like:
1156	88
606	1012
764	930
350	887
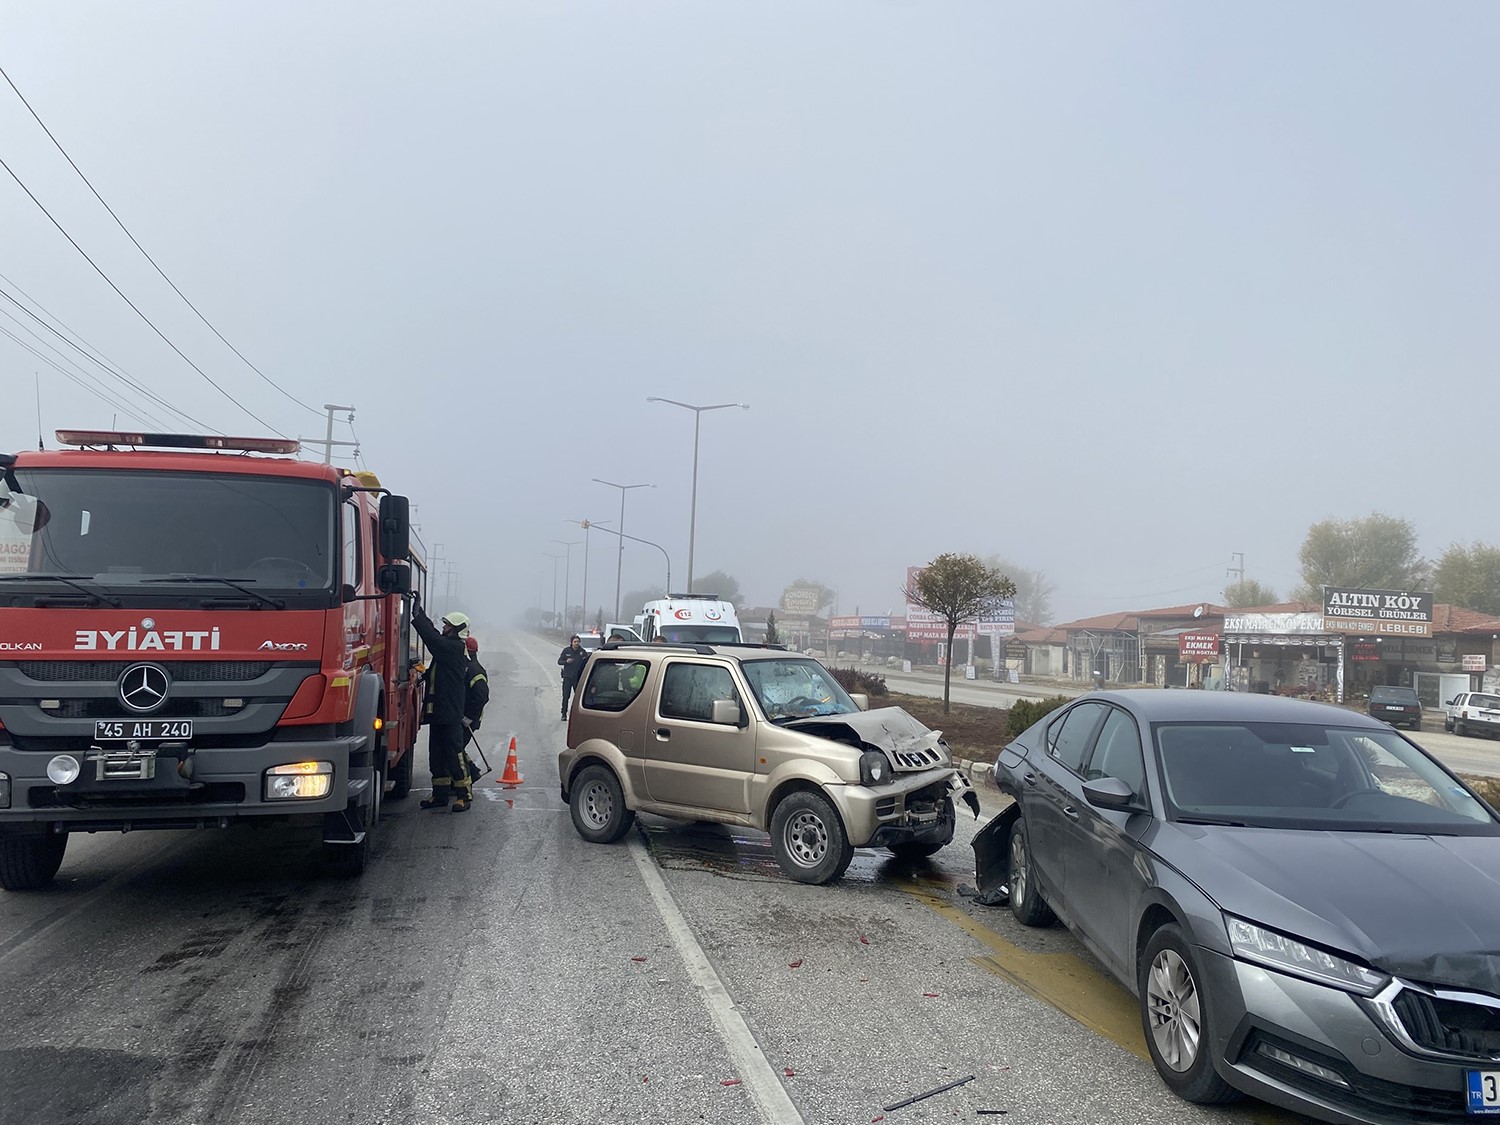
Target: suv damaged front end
907	788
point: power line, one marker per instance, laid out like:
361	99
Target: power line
94	355
207	378
130	408
142	249
104	396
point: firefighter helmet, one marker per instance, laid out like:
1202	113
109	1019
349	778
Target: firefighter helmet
459	621
472	644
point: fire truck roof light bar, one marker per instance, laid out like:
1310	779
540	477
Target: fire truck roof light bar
177	441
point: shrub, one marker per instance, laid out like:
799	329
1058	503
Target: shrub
1024	712
853	680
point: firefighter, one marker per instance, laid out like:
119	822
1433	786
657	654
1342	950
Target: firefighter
476	696
446	733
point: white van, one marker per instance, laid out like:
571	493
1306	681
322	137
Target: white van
690	619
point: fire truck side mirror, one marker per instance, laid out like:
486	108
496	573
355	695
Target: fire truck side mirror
393	578
395	528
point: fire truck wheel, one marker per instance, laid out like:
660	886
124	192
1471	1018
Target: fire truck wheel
349	860
401	776
28	863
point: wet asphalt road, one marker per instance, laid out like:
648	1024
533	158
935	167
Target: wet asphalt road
493	966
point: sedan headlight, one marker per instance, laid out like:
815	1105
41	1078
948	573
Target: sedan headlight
874	769
1278	951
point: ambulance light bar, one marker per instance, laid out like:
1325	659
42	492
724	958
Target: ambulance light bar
178	441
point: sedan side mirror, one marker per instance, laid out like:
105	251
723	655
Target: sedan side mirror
1110	793
725	712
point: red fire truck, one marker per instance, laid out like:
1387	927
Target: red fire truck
197	632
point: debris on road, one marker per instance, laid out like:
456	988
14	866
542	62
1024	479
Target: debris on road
995	896
729	1082
797	964
637	959
930	1093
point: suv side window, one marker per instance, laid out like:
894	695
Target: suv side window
613	685
1117	753
688	690
1068	738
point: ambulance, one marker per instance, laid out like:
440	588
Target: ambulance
690	619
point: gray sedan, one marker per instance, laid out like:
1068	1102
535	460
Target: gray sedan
1305	903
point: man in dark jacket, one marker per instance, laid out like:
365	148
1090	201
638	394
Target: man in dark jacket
476	696
571	661
445	732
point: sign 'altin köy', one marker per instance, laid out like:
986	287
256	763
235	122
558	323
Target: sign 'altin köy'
1381	613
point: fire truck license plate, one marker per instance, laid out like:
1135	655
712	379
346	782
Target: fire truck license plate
106	730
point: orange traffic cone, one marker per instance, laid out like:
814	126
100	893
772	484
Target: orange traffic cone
511	777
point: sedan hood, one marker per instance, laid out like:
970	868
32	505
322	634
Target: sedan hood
1422	907
907	743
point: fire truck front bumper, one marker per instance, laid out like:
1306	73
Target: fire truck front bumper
178	786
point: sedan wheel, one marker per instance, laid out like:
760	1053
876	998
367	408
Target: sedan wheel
1174	1015
1026	901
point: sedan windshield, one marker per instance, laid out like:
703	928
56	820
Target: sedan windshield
796	689
1289	775
127	529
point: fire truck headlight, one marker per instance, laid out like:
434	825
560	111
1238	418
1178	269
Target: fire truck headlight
63	769
299	781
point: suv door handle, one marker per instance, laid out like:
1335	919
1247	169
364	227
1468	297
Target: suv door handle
663	732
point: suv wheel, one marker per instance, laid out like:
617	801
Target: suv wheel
598	806
28	863
809	840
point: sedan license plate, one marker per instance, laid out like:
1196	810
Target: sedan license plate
146	730
1484	1092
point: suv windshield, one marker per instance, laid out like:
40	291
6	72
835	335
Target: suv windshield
128	529
795	689
1393	695
1278	775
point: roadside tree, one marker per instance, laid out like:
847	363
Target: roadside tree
1469	577
772	637
1033	591
717	582
958	588
1248	592
1377	552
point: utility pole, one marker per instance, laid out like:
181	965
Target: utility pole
327	442
1237	573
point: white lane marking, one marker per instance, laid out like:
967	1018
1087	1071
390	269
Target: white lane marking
760	1079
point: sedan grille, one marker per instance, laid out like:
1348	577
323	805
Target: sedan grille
1455	1027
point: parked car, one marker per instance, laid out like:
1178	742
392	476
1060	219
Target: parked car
1398	706
755	736
1473	712
1305	904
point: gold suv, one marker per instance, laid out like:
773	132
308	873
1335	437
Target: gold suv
760	737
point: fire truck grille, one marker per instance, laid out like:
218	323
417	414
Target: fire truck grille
172	709
181	671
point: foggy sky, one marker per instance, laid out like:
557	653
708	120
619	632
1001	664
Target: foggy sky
1113	290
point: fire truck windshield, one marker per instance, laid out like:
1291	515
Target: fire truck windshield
128	529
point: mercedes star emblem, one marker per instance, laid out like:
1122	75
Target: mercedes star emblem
143	687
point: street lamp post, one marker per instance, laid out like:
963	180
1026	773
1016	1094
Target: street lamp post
648	543
568	573
620	554
587	525
554	558
693	508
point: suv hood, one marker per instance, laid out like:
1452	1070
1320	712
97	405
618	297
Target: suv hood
907	743
1424	907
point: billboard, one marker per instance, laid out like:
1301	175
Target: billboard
801	599
1385	613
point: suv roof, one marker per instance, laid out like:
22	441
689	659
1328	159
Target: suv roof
718	648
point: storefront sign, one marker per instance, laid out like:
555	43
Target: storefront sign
1274	623
1380	612
1363	652
1198	648
1474	662
874	622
